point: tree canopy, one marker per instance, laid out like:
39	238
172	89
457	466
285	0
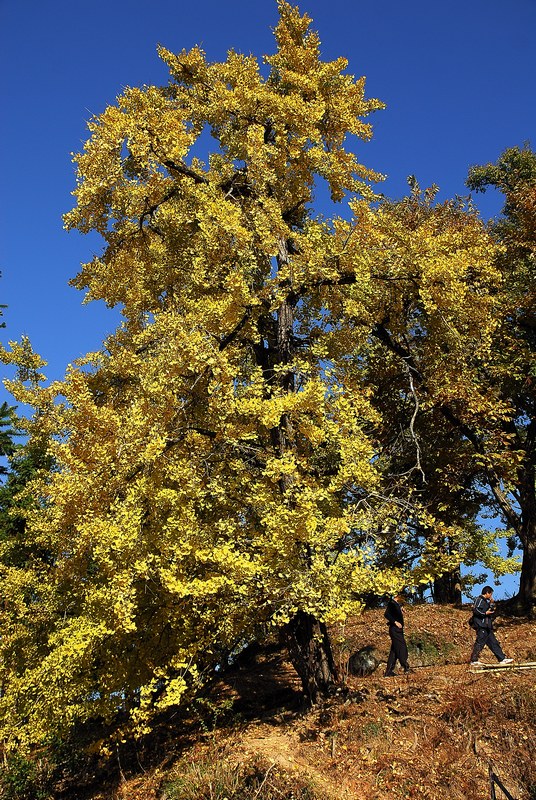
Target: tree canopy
243	455
510	472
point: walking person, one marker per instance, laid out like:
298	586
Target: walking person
399	649
483	611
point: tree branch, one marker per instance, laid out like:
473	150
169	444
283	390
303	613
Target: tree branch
494	483
182	169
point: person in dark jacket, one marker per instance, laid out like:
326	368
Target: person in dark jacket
483	611
399	649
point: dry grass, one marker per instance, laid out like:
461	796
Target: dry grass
213	777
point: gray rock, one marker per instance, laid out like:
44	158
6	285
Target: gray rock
364	662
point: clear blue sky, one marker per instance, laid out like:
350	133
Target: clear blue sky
458	79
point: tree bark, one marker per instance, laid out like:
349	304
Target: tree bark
447	588
525	527
310	652
306	637
526	597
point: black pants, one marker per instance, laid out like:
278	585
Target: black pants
486	638
398	651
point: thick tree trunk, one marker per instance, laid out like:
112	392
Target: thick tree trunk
527	580
310	652
526	598
447	588
306	637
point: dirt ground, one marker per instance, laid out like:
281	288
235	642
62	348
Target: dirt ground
434	733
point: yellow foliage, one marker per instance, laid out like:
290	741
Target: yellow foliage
217	464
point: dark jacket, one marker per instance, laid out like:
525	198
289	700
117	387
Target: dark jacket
480	606
394	613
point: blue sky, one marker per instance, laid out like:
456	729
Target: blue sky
457	78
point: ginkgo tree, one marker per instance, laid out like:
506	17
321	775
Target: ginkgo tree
441	421
509	467
218	465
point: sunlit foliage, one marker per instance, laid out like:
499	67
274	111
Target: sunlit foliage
221	468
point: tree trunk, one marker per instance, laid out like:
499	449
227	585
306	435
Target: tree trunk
447	588
526	597
310	652
306	637
527	580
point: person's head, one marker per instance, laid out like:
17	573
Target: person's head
487	591
399	597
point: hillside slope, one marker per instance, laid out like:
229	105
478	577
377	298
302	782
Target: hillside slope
432	734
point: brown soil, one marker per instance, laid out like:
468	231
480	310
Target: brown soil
434	733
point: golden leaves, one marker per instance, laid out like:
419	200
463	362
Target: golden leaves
218	464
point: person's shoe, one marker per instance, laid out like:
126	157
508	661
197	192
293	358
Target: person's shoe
389	675
506	661
477	664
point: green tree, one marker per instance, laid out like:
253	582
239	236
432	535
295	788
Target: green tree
24	463
7	432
